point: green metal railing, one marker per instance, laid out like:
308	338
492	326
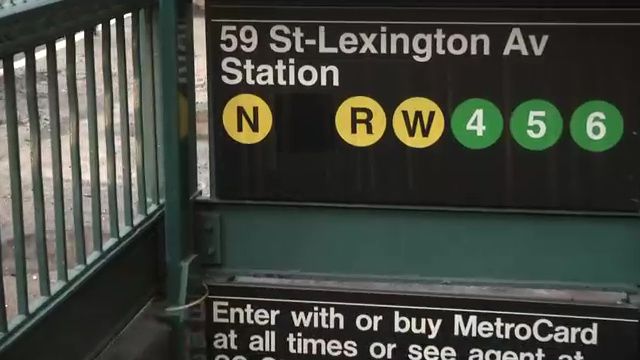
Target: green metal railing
88	137
9	4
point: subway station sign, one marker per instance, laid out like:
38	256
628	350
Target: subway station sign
520	109
262	323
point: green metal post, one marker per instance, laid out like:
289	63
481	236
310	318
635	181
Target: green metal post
187	66
178	209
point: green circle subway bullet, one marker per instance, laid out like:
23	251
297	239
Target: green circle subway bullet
418	122
477	123
596	126
536	125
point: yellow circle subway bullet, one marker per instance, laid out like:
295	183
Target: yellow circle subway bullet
247	118
360	121
418	122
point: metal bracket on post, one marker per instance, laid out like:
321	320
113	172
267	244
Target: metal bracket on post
187	315
208	234
190	279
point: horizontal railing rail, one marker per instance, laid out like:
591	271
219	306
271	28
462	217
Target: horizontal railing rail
12	7
19	30
79	142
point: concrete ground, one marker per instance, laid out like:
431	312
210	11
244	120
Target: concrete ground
6	216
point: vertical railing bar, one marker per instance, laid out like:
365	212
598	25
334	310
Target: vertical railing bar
36	173
107	80
148	112
56	160
137	106
3	299
74	140
11	110
124	121
94	157
157	76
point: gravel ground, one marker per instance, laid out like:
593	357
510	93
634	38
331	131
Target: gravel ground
6	227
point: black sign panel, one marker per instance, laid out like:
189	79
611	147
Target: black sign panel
500	108
259	323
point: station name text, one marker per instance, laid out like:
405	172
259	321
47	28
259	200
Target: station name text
308	51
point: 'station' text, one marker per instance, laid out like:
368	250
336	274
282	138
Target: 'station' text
289	46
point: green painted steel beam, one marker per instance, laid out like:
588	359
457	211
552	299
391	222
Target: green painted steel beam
186	64
178	206
464	246
175	224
